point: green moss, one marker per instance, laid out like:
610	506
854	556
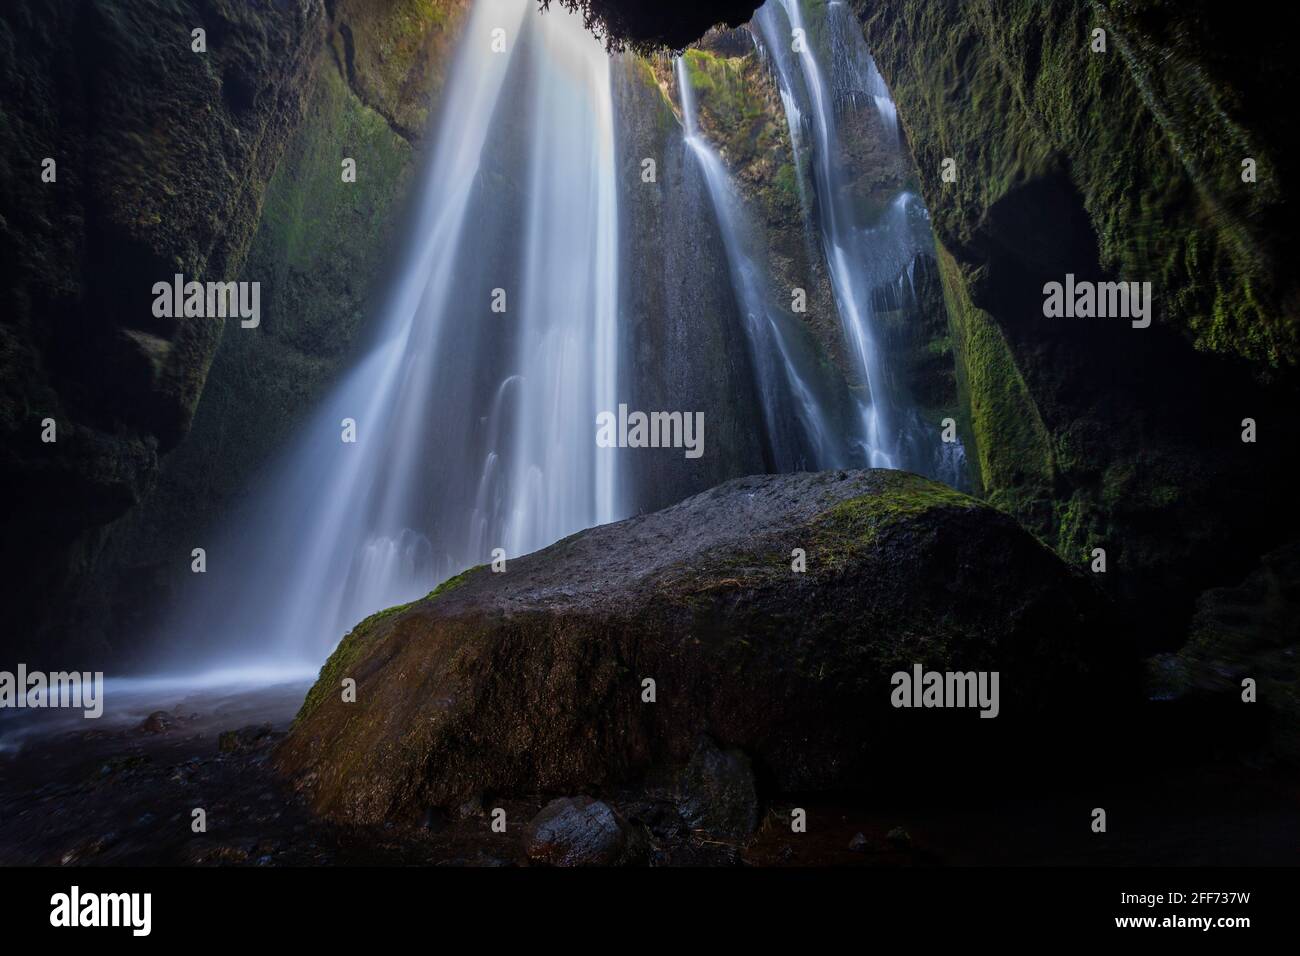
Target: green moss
397	55
1153	141
311	218
453	582
842	532
734	108
787	183
336	668
339	664
1001	425
318	243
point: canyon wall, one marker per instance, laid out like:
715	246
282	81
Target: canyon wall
1123	163
1117	164
162	157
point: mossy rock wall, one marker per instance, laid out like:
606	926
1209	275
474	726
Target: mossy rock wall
1151	133
162	158
321	249
1117	165
682	334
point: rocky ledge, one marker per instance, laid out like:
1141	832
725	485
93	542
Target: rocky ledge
536	680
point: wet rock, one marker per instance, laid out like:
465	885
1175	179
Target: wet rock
198	166
205	851
860	843
578	831
1247	631
89	848
532	681
435	819
157	722
123	764
717	792
247	738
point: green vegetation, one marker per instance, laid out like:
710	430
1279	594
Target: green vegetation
1151	142
1006	440
360	639
845	530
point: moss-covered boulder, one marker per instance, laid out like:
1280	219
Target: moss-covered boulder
678	317
534	680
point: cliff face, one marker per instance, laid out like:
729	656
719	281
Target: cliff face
683	344
161	158
235	174
1124	164
740	111
1149	135
1118	164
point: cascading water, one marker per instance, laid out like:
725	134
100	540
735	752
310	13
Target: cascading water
861	258
799	429
474	425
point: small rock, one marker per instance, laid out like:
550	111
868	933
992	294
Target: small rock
157	722
899	838
859	843
716	792
246	738
578	831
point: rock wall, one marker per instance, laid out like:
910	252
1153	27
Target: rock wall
365	80
1123	164
162	156
683	343
741	114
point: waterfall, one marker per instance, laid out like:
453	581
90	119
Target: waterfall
799	430
474	406
466	428
860	257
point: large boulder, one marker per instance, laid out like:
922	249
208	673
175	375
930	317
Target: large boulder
534	680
